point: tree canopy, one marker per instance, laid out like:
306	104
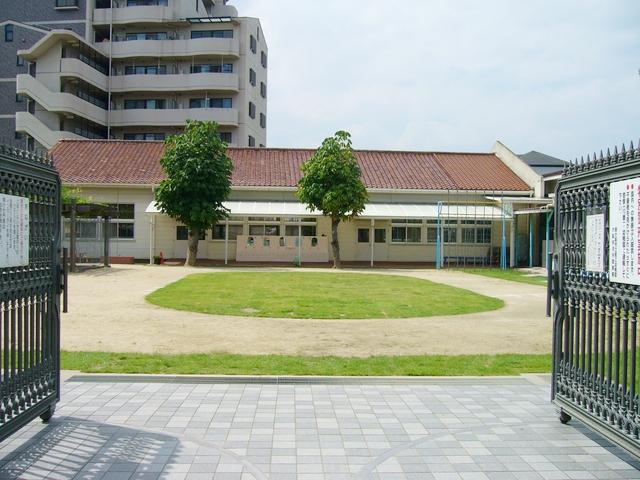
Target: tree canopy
332	184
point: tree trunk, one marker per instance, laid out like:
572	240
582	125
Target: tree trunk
335	246
192	251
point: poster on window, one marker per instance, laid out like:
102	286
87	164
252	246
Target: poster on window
624	221
14	231
595	235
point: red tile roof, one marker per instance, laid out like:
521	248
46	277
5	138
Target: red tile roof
118	162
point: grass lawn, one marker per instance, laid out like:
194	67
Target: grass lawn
318	295
509	274
226	364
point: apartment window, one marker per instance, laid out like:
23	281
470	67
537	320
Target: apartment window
252	141
122	222
8	33
145	70
84	128
263	90
253	45
182	233
87	55
406	231
225	136
145	104
147	3
252	110
147	36
18	135
144	136
19	61
263	120
252	77
19	98
212	68
258	33
211	103
263	59
212	34
66	3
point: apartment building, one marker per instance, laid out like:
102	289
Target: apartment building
22	24
139	69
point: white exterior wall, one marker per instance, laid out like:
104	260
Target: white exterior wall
351	250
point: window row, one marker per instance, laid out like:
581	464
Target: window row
224	136
258	226
161	104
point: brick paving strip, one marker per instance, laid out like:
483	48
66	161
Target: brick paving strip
110	427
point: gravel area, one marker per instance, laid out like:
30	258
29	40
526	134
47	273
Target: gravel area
108	312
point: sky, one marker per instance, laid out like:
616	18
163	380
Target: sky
560	77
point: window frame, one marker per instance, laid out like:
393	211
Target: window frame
9	32
407	224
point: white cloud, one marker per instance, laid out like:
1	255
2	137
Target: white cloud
559	77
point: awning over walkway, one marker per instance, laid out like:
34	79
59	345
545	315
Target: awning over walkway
371	211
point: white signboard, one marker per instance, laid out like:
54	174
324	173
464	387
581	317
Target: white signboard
624	221
14	231
595	242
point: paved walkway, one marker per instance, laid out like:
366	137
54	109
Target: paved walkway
459	429
110	304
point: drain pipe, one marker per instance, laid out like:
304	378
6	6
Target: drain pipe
109	72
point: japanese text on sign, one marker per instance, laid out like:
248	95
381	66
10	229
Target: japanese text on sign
14	231
624	265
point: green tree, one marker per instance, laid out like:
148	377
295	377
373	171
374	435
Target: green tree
332	184
198	179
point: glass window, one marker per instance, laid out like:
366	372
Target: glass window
305	230
363	235
19	61
8	33
263	59
252	77
212	34
263	90
468	235
449	235
225	137
252	110
263	120
414	234
252	141
432	235
483	235
253	45
234	231
144	136
182	232
210	103
122	230
398	234
380	235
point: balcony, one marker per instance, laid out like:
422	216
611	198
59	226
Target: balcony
72	67
59	101
173	117
29	124
227	82
141	14
228	47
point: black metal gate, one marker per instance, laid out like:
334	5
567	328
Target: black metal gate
595	367
29	288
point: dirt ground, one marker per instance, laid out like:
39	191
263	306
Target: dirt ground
108	312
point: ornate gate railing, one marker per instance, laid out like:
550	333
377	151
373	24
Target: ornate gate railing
29	288
597	297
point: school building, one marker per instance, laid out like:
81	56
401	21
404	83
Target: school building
459	209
